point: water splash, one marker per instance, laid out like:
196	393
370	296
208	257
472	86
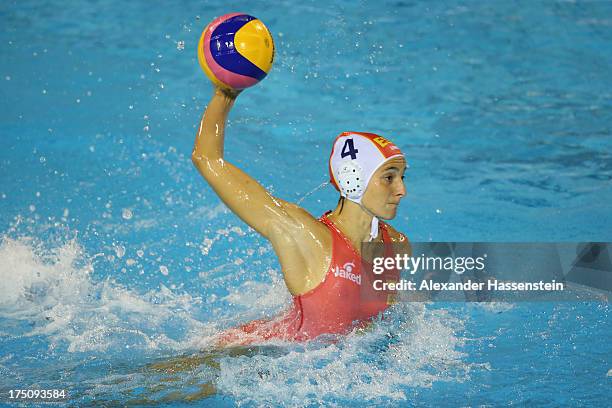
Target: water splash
413	347
55	293
311	192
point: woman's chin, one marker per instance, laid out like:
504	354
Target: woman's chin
389	214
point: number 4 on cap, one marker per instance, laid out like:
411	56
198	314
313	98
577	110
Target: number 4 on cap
349	150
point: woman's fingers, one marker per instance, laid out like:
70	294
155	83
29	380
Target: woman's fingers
228	92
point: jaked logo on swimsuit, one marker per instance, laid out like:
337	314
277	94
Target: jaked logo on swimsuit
346	272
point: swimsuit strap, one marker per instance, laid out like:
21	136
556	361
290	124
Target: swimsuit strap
335	230
385	232
330	224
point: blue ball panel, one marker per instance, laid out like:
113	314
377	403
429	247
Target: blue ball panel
223	51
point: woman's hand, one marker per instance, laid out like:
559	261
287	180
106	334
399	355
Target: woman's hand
227	92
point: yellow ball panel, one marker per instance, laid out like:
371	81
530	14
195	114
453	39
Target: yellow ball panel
254	42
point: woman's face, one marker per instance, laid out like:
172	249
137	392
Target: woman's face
386	189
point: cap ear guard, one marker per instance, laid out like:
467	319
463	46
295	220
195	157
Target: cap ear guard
351	180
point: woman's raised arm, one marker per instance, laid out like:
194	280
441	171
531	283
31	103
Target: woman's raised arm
239	191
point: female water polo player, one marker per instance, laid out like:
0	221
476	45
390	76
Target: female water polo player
320	258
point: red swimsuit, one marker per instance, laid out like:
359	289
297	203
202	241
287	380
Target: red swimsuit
344	300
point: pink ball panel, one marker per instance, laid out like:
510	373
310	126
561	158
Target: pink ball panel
236	81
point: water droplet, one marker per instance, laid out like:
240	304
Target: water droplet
32	208
8	78
140	253
42	159
180	45
438	211
119	251
126	214
163	270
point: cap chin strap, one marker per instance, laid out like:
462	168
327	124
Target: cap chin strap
374	224
374	229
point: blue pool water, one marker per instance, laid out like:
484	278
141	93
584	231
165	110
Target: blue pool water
115	254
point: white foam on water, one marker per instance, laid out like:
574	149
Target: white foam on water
413	347
54	290
493	307
268	296
249	300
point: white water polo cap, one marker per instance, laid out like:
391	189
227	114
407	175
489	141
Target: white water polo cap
355	157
